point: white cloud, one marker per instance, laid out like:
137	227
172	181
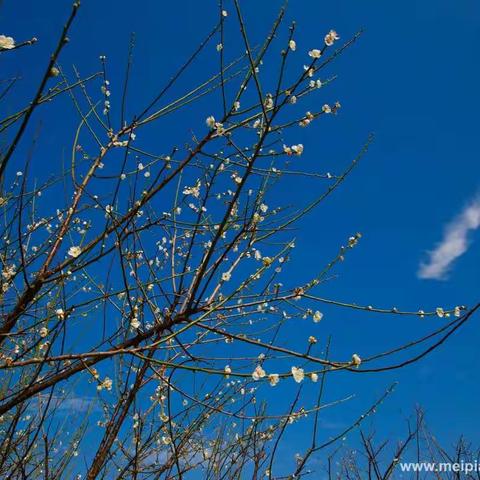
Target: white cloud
455	243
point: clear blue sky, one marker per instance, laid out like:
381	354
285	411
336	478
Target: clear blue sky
413	80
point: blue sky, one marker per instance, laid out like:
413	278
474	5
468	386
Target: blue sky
412	79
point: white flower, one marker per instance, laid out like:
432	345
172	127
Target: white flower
314	377
74	251
440	312
107	383
292	45
258	373
327	108
310	71
43	332
267	261
60	313
263	208
312	339
224	13
219	128
8	272
227	370
194	191
317	316
298	374
219	47
210	121
331	37
315	53
135	323
6	43
297	149
226	276
356	360
274	379
457	312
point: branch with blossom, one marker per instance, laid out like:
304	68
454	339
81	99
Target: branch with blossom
157	288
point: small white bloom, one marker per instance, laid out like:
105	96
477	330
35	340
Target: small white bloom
267	261
60	313
292	45
331	37
297	149
315	53
274	379
135	323
440	312
43	332
6	43
258	373
314	377
317	316
298	374
356	360
74	251
107	383
210	121
226	276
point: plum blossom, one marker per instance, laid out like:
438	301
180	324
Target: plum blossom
106	384
356	360
298	374
6	43
258	373
226	276
74	251
331	37
135	323
194	191
273	379
210	121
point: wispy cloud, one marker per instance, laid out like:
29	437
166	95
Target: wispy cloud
455	243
